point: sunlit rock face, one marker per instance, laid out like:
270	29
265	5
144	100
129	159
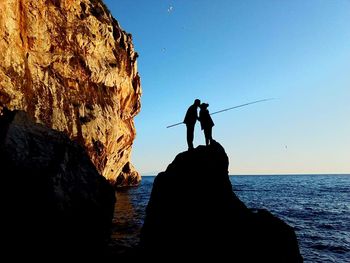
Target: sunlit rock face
71	67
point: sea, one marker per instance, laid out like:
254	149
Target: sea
316	206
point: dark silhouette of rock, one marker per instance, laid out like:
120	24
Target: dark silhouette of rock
54	202
194	213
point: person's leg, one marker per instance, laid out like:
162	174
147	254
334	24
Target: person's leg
206	134
190	131
210	138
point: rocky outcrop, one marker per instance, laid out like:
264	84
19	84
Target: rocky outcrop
54	203
70	66
193	213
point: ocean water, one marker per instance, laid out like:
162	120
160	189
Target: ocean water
316	206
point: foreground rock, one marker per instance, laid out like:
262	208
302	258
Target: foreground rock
54	202
70	66
193	212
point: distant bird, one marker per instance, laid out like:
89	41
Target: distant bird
170	9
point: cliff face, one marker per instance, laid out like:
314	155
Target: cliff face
70	66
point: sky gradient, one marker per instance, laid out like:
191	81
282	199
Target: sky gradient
228	53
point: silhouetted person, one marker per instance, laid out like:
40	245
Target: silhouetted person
206	123
190	121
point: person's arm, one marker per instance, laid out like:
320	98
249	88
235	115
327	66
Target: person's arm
186	117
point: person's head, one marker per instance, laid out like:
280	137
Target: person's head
204	106
197	102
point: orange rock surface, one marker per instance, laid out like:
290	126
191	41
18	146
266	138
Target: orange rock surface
71	67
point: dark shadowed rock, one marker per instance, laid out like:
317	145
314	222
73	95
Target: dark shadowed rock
193	212
54	202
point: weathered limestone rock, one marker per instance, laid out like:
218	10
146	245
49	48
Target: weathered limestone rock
71	67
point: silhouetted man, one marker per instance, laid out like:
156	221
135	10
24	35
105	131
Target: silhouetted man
190	121
206	123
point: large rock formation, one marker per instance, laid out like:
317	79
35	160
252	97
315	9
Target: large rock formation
193	213
54	203
70	66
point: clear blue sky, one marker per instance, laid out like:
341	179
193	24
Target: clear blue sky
228	53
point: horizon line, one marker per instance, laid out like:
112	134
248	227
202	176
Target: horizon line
274	174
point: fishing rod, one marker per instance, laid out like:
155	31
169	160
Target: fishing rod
231	108
242	105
